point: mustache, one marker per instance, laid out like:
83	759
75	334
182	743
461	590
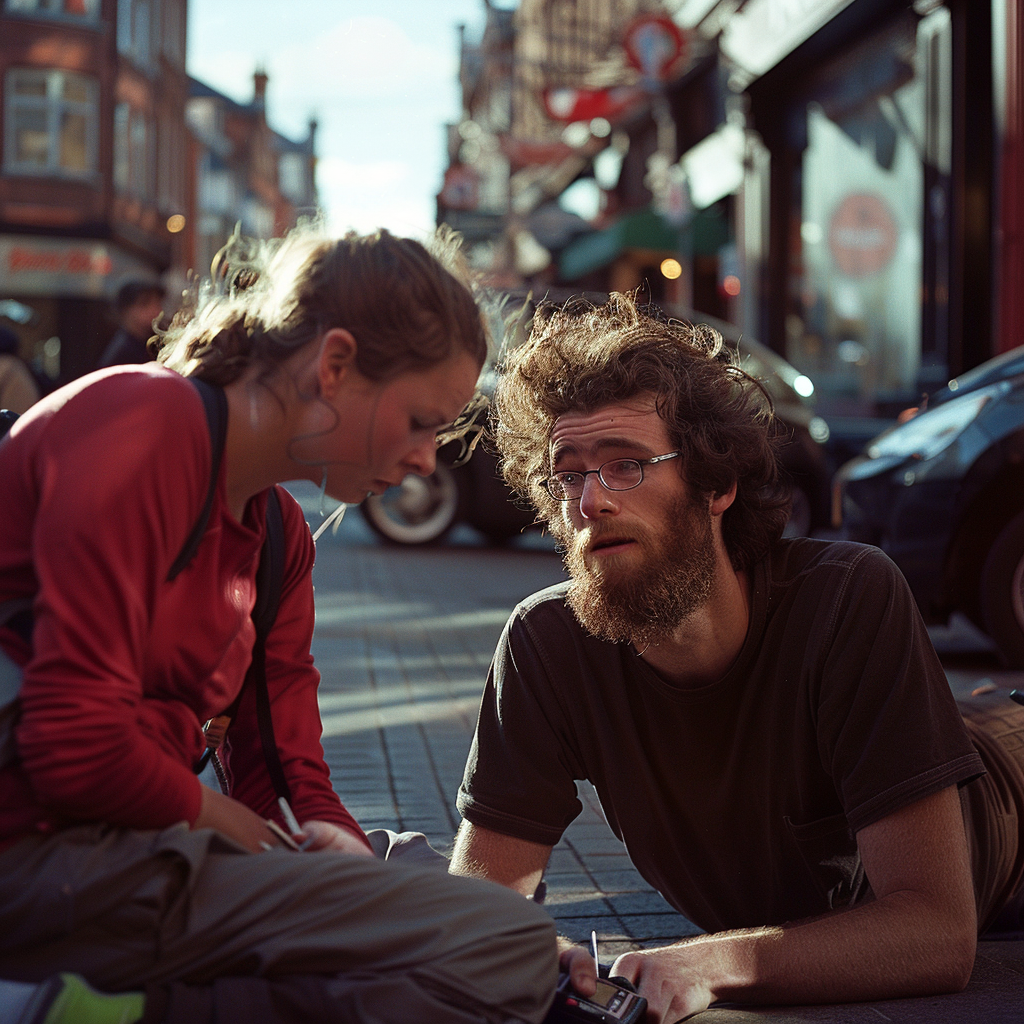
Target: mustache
598	537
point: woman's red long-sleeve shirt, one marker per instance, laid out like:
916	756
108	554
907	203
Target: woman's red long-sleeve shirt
101	483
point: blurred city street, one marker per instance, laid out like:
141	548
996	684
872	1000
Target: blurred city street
403	640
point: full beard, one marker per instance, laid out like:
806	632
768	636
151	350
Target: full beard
646	601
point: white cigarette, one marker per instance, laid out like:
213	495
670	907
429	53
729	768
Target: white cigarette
289	817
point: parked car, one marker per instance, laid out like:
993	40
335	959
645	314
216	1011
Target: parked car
943	495
423	509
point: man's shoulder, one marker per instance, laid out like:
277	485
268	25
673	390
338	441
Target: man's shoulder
546	617
793	559
545	601
817	585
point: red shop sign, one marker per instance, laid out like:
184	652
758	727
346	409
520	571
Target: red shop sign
862	235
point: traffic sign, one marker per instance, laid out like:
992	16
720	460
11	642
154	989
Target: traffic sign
655	45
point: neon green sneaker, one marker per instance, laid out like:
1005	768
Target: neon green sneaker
68	999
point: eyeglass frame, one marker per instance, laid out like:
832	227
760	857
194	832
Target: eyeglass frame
546	482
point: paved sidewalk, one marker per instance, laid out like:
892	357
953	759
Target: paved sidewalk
403	640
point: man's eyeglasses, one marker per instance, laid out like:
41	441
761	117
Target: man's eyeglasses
617	475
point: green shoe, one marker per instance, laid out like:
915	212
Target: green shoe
68	999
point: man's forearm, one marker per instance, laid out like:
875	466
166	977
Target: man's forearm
898	946
514	863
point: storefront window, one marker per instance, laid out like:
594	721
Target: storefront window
50	119
867	315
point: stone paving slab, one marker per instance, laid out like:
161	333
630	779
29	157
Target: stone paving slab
403	640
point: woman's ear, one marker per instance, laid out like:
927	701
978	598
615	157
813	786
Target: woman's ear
336	357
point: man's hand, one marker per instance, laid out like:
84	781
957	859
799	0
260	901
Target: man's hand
322	835
915	938
668	979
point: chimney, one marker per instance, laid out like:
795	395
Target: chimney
259	82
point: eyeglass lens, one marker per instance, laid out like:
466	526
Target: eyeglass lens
618	475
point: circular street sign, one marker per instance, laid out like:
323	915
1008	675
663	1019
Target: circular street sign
862	235
654	43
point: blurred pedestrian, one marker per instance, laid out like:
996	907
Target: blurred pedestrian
339	362
18	389
138	305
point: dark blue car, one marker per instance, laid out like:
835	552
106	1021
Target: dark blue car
943	495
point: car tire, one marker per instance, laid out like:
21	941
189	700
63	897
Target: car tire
1002	592
420	510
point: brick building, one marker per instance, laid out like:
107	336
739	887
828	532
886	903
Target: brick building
115	165
93	170
245	172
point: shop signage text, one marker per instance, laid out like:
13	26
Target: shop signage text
58	266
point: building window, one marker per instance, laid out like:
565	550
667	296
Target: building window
170	189
122	159
134	30
85	10
134	158
291	176
51	122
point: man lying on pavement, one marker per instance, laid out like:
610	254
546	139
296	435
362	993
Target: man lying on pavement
765	721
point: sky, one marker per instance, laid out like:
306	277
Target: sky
380	78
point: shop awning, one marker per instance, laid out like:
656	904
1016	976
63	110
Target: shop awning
646	229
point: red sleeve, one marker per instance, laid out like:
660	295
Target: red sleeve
118	472
292	683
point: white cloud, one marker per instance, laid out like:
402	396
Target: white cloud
361	58
374	194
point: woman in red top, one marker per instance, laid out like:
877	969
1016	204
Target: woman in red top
341	361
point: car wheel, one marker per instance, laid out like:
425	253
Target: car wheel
421	510
1002	592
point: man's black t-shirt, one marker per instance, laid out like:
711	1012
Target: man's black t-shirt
738	800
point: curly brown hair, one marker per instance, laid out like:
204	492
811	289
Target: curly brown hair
579	357
409	306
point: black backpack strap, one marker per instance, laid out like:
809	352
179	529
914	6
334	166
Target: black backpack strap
269	578
215	404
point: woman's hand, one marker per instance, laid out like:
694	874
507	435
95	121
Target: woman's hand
234	820
322	835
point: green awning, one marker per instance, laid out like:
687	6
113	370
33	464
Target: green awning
646	229
704	234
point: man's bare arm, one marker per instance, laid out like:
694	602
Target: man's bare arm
519	865
917	937
514	863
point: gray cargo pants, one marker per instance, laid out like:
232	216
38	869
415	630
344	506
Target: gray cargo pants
215	934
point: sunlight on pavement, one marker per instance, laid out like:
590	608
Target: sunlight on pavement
382	696
348	722
405	617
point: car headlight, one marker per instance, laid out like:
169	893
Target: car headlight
934	430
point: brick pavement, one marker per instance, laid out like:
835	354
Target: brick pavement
403	640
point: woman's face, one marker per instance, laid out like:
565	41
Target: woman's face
386	430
